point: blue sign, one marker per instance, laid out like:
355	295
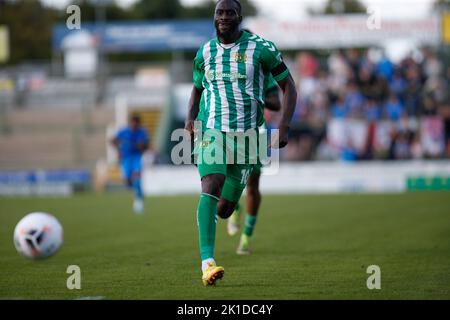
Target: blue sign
45	176
140	36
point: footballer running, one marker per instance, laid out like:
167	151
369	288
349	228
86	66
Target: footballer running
131	142
229	74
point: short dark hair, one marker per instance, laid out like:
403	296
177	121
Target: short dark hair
238	4
135	117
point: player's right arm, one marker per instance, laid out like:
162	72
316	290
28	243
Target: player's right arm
196	93
193	108
115	141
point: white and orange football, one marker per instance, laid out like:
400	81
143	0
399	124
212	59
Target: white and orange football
38	235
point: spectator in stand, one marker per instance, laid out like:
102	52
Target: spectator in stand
429	107
394	108
394	100
354	100
432	67
413	89
398	85
354	62
385	68
372	114
339	72
372	111
339	109
366	82
401	146
308	67
445	114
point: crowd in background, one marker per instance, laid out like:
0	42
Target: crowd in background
358	105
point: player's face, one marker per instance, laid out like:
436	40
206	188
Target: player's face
134	124
226	18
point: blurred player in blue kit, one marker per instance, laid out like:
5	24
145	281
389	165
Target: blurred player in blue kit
131	142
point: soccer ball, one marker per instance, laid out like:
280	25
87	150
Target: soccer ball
38	235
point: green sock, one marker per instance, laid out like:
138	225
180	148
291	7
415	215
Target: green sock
206	222
250	222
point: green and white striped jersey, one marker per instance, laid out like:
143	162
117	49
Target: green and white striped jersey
233	78
269	85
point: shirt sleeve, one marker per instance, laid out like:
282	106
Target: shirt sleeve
199	69
270	84
272	61
119	135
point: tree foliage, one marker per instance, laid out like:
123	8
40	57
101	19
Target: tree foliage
30	23
441	5
29	29
340	7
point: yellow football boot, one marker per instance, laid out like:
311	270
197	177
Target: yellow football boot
211	274
244	246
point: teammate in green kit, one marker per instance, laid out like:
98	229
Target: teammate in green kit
229	73
253	200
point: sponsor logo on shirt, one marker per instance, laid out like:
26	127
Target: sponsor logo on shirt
229	76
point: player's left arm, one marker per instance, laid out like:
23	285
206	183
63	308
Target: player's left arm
272	101
287	85
273	61
272	98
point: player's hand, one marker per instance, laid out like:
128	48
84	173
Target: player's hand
280	138
284	135
141	146
189	127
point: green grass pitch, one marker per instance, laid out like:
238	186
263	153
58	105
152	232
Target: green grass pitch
305	247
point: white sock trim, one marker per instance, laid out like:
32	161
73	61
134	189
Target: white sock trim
205	263
210	195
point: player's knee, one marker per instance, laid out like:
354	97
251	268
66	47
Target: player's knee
129	182
225	208
136	175
212	184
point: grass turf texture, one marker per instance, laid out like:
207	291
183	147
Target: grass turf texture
305	247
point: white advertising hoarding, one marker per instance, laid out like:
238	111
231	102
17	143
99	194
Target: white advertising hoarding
305	178
344	31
